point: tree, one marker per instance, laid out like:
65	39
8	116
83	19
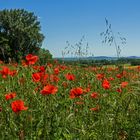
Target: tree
19	34
44	56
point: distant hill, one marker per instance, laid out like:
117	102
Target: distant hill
97	58
134	57
102	58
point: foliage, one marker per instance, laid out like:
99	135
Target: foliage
95	62
44	56
19	34
135	62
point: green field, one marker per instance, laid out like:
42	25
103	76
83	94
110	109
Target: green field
59	102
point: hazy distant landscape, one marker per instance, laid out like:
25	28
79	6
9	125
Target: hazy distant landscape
98	58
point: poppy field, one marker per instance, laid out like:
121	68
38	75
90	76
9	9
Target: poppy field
66	102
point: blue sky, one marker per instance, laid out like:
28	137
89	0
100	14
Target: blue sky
69	20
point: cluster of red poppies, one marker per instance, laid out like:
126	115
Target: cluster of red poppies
48	78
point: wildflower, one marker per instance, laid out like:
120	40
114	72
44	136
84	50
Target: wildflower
105	84
44	77
100	76
119	75
36	67
70	77
24	63
124	73
95	108
49	89
76	92
94	95
18	105
56	71
49	65
1	62
110	69
119	90
93	68
87	89
54	78
10	96
42	69
31	59
111	78
124	84
36	77
37	89
39	68
63	67
40	77
138	67
4	72
12	73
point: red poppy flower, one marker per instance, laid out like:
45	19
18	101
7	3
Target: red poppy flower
94	95
54	78
119	75
93	68
76	92
5	71
42	69
36	77
1	62
36	67
105	84
49	89
119	90
56	71
124	84
111	79
63	67
12	73
40	77
110	69
18	106
100	76
10	96
49	65
70	77
87	89
24	63
31	59
95	108
138	67
44	77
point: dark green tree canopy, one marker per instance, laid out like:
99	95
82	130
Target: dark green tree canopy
44	56
19	34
